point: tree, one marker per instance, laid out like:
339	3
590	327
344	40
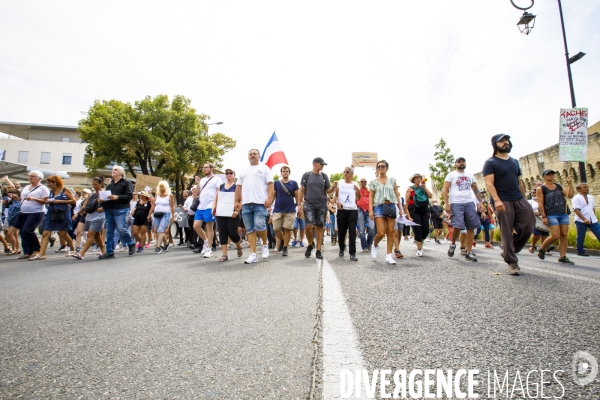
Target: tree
339	176
444	163
153	136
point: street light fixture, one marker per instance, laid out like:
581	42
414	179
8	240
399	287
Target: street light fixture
216	123
525	20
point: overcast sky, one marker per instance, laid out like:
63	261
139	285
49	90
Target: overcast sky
331	77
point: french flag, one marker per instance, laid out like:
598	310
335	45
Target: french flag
273	154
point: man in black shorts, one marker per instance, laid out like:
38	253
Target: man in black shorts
314	188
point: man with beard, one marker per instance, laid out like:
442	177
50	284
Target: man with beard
502	175
458	185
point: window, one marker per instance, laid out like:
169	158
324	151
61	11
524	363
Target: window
85	158
67	158
23	157
65	139
45	158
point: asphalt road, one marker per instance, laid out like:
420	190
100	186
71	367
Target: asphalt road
177	326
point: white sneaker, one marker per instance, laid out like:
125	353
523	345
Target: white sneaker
252	259
171	245
389	259
117	247
207	254
265	252
205	248
374	251
428	240
420	253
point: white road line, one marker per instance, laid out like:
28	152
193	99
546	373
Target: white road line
340	343
538	269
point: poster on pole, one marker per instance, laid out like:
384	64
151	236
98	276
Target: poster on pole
364	159
142	181
572	144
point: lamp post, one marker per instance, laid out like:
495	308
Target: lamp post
524	27
216	123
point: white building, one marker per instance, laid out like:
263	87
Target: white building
49	148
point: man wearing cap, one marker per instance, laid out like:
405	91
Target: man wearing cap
502	175
208	191
314	188
585	216
459	187
254	190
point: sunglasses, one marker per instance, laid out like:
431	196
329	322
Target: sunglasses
363	181
346	172
381	166
228	173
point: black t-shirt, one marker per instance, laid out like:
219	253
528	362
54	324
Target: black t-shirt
436	212
506	177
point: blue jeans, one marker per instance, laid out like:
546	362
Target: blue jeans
363	219
581	231
116	219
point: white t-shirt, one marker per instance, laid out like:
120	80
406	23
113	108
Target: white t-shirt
254	182
347	195
32	206
460	186
208	194
586	209
188	204
534	205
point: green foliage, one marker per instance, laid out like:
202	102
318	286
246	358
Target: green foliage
444	163
339	176
161	138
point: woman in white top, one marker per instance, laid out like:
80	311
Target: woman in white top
33	198
347	193
164	212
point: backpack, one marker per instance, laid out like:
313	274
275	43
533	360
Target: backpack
420	198
92	204
304	179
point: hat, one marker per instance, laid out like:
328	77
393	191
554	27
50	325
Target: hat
320	161
229	169
412	178
144	193
499	137
88	191
460	158
548	171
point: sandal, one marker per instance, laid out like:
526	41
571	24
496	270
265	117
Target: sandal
399	255
14	252
223	258
36	258
23	257
70	253
77	256
240	252
531	249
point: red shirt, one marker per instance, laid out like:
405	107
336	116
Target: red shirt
363	203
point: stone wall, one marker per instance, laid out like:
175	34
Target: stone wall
533	164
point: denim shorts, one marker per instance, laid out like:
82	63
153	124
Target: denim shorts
299	223
255	217
315	216
559	219
162	223
384	210
204	215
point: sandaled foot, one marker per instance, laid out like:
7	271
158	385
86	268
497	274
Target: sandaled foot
24	256
240	252
36	258
77	256
223	258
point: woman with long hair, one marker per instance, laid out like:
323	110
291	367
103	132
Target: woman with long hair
141	216
58	216
94	220
416	211
163	211
382	208
552	205
228	226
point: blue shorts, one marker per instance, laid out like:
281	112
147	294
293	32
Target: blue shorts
255	217
204	215
162	223
299	222
384	210
559	219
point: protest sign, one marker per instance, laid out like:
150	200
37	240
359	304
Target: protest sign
181	217
142	181
572	145
364	159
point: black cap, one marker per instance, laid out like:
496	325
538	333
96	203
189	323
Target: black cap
548	171
320	161
460	158
499	137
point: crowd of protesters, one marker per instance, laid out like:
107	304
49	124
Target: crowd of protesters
254	208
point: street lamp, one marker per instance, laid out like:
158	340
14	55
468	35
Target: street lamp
216	123
524	27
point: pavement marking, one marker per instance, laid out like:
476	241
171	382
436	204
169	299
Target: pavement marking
530	267
341	348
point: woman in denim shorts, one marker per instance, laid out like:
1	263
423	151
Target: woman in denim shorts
163	211
552	205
